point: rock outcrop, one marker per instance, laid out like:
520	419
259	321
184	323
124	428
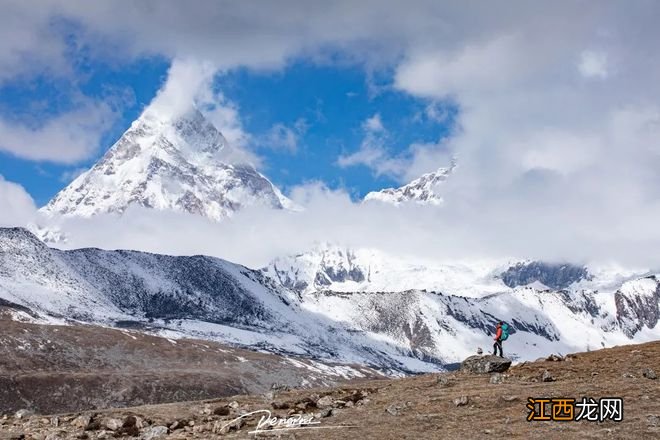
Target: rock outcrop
485	364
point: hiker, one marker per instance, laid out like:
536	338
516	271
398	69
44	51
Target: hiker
501	334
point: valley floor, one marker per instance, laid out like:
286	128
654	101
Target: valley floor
433	406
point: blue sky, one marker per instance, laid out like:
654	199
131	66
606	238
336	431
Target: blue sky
330	104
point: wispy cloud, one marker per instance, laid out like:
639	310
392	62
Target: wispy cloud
284	137
64	138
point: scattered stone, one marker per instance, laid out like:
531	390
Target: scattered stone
485	364
155	432
198	429
131	431
497	378
55	421
349	404
221	411
131	420
280	405
112	424
93	425
23	413
324	402
340	403
510	398
594	373
653	420
103	434
547	377
554	358
326	412
396	408
649	374
628	376
221	427
280	387
305	403
81	421
363	402
442	380
233	404
461	401
269	395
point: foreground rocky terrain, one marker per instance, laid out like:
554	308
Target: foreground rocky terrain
432	406
58	368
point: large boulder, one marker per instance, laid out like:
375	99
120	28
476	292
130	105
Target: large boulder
485	364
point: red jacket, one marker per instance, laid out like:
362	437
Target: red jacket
498	334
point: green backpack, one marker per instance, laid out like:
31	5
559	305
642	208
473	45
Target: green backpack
505	332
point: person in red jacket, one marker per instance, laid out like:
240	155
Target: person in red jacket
498	340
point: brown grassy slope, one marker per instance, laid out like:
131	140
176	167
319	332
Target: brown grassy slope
423	407
53	368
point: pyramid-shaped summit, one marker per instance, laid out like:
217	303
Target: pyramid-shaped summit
180	163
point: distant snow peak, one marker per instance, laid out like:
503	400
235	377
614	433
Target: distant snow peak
422	190
175	162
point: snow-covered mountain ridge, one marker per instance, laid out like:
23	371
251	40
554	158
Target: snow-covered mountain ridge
423	190
181	163
396	332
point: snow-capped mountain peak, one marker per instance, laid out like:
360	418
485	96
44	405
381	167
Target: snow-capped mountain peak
169	162
422	190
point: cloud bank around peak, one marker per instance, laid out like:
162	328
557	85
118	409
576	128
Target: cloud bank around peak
557	134
190	84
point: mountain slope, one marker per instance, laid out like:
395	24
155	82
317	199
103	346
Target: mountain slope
180	163
395	332
40	365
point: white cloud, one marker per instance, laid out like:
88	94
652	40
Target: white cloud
474	68
373	152
548	163
190	83
283	137
593	64
16	206
404	166
225	115
65	138
373	124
